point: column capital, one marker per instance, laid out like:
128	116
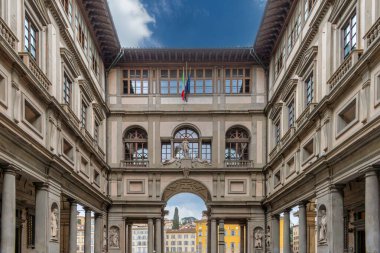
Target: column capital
87	209
72	201
336	188
371	172
370	168
43	186
10	169
275	216
303	203
287	210
98	215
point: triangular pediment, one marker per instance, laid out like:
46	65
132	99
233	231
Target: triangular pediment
70	62
41	11
306	60
338	8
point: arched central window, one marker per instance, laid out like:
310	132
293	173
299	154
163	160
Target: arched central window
237	142
198	147
136	145
192	137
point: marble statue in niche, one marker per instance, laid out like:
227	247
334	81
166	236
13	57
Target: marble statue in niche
114	237
258	238
54	221
323	226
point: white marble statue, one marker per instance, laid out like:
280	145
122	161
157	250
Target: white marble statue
185	148
54	222
267	239
114	237
258	239
323	227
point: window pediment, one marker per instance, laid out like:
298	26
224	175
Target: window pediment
70	62
83	84
289	88
39	9
307	58
339	7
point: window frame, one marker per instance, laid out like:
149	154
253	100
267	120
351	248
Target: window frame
31	24
230	142
243	78
144	156
126	80
309	76
348	24
67	77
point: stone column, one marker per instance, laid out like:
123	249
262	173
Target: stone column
221	243
150	235
42	214
372	223
335	224
87	230
302	228
242	239
214	236
275	233
8	210
73	228
158	235
249	236
130	237
286	232
208	236
98	234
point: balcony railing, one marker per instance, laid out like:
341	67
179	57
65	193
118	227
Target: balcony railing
7	34
305	114
134	163
373	33
35	69
347	64
238	163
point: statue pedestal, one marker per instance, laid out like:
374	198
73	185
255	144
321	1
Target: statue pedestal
186	163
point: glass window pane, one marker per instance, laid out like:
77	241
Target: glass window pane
199	73
145	73
164	73
173	87
173	73
228	73
199	87
145	87
228	86
208	86
247	72
125	73
164	87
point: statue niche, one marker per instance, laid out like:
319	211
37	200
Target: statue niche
322	225
54	221
114	236
258	236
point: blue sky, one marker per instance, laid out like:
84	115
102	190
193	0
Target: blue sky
187	23
188	205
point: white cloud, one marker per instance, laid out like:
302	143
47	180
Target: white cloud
132	22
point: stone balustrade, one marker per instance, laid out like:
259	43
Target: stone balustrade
238	163
35	69
7	34
344	68
373	33
134	163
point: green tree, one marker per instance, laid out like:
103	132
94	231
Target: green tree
175	219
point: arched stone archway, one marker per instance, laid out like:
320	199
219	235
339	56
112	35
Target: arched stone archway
186	185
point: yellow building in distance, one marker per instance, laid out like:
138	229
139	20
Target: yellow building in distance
231	237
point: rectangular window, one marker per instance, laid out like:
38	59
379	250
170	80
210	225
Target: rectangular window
309	89
347	116
68	7
68	149
67	85
96	131
206	151
308	150
291	114
349	36
277	132
30	38
279	60
237	81
83	115
309	4
81	31
32	116
136	81
166	151
96	178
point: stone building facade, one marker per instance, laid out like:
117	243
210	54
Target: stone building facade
323	68
292	121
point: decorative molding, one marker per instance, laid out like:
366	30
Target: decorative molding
70	61
339	7
309	55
